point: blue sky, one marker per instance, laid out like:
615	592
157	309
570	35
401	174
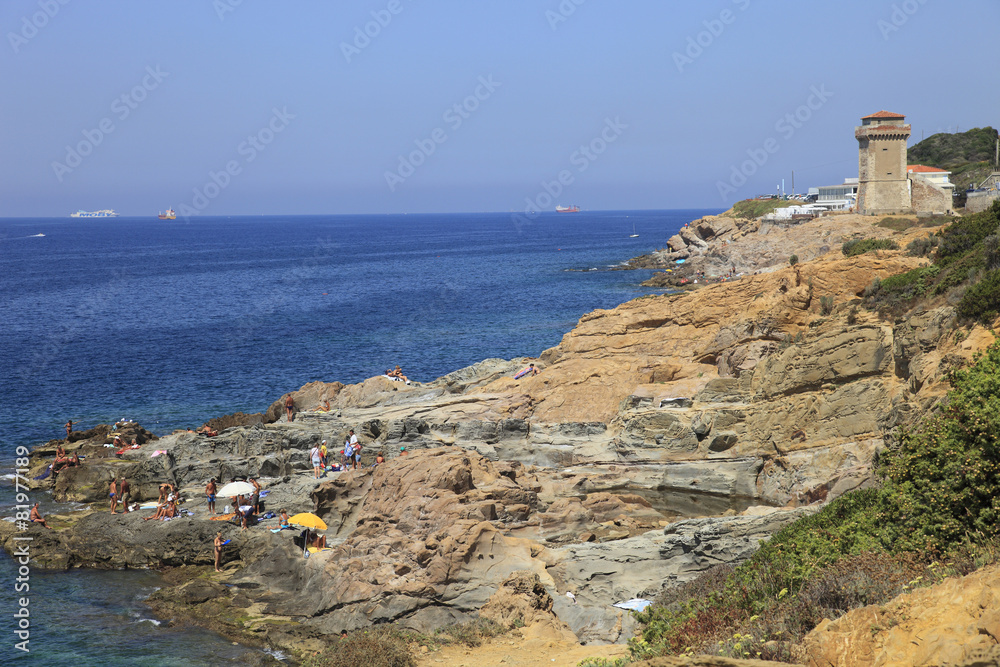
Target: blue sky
249	107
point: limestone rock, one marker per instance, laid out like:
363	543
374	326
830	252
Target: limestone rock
955	622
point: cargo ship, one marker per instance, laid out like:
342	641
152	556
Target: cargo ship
104	213
169	215
572	208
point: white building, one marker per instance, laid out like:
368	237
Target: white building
838	197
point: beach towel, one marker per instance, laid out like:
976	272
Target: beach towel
521	373
222	517
635	604
157	453
45	474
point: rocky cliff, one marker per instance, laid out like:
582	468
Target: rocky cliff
659	440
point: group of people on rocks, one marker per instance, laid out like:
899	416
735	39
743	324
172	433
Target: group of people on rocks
64	461
119	493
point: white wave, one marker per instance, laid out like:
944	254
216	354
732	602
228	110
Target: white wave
148	620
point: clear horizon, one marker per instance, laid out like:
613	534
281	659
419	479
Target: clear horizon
388	106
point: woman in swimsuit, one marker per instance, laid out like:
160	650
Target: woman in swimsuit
218	551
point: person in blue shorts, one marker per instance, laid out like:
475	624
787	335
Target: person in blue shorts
210	491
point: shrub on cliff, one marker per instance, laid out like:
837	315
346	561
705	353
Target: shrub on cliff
982	301
963	235
861	246
940	496
943	483
378	646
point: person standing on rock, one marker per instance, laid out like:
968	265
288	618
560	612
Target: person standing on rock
210	491
123	491
290	408
69	428
218	551
113	494
355	449
314	455
322	454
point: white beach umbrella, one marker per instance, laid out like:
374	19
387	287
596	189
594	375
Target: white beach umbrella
236	489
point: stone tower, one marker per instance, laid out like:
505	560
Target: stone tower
883	187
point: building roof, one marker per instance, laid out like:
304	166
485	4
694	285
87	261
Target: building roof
883	114
921	169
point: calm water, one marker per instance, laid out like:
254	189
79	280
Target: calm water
172	323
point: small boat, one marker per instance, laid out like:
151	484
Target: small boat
633	234
572	208
169	215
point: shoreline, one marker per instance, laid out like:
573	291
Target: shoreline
685	391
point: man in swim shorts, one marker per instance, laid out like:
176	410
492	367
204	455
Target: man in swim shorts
113	495
36	517
123	492
210	491
290	407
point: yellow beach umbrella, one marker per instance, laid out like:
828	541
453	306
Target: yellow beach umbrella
308	520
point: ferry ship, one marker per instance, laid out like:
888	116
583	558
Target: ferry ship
169	215
104	213
572	208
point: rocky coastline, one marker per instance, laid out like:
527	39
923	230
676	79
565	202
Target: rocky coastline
662	438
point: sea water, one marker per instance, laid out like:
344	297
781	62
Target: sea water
171	323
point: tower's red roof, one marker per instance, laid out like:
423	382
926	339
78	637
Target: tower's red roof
883	114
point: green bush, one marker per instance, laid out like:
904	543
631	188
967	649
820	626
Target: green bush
940	495
861	246
898	290
966	233
982	301
825	305
922	247
378	646
793	260
943	483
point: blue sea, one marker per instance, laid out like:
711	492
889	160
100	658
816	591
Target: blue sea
171	323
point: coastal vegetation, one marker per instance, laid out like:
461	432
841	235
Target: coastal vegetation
861	246
750	209
965	255
933	514
389	645
967	155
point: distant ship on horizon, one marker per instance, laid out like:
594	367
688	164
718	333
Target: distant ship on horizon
103	213
169	215
572	208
